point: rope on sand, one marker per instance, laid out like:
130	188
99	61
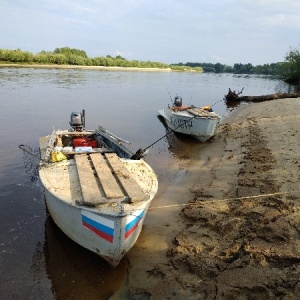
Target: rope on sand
225	200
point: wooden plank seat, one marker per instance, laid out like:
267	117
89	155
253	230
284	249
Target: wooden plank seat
105	176
88	183
133	190
110	186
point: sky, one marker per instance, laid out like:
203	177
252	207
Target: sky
169	31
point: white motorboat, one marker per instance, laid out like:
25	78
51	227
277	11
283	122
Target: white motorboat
198	122
96	191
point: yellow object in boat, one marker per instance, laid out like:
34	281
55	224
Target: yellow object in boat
207	108
57	156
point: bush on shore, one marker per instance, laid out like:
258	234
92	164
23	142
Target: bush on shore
67	56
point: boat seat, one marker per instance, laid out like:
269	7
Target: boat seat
131	187
88	183
103	177
108	182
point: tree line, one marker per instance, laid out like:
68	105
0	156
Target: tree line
288	70
69	56
238	68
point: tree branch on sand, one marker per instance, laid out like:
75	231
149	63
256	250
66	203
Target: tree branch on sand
233	96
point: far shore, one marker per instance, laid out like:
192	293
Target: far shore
91	68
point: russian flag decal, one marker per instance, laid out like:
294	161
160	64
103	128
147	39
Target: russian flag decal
102	227
133	222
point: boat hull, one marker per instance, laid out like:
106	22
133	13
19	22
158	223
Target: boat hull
200	127
109	236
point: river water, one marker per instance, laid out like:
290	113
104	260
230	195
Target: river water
37	261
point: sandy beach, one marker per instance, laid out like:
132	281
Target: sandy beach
230	226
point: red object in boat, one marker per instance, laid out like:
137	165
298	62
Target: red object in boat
84	142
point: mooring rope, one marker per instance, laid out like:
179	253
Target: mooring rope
224	200
140	153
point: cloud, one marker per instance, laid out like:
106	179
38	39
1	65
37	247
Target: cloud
167	31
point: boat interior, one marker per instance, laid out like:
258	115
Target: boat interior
98	159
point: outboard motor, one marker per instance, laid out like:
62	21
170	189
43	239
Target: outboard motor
178	101
77	121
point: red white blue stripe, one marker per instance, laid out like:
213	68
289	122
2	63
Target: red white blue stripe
133	222
102	227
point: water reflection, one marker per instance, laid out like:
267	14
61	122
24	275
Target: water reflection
231	105
180	145
75	272
69	78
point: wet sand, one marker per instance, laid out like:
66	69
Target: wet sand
229	227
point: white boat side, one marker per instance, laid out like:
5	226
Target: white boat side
195	122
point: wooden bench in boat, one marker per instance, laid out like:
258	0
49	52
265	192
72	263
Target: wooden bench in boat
198	112
133	190
103	177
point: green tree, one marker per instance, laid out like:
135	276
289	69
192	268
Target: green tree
41	58
74	59
292	68
60	59
68	52
218	68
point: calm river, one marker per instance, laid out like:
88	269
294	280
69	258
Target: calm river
37	261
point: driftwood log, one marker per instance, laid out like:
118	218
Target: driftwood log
233	96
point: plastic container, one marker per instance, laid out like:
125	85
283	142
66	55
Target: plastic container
57	148
83	149
85	142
